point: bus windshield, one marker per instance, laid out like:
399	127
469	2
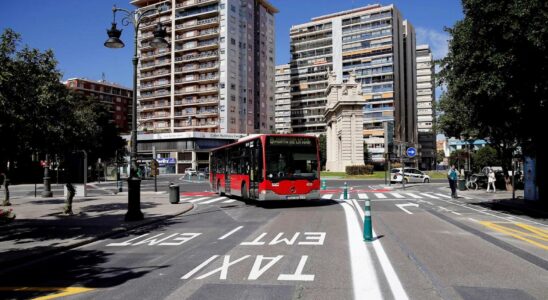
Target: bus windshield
290	161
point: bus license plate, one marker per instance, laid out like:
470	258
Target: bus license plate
295	197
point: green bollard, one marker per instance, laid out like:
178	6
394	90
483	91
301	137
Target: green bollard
345	191
323	184
367	225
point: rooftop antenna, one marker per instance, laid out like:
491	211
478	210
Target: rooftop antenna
103	77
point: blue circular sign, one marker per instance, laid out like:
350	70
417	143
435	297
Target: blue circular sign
411	152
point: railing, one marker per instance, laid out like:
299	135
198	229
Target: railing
196	56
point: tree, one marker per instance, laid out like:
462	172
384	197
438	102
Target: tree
39	115
496	72
440	156
486	157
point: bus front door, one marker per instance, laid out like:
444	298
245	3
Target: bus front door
253	173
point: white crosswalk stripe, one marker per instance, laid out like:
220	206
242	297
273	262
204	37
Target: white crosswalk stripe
198	199
213	200
444	196
414	196
362	196
327	196
430	196
397	195
229	201
341	197
380	195
184	199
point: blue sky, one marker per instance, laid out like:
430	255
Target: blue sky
76	29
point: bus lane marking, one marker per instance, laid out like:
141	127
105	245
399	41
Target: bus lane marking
308	238
198	199
394	282
298	275
231	232
257	271
534	237
224	267
177	239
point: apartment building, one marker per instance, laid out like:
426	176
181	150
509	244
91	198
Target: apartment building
115	96
214	83
218	74
282	110
377	45
425	106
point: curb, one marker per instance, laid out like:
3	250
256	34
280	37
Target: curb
32	257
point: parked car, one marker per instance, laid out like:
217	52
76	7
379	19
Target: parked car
409	175
190	171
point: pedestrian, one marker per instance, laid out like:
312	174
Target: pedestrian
491	180
452	176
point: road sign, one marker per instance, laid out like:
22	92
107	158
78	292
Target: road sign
411	152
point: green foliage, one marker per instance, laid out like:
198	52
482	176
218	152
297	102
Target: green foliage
440	155
496	72
359	169
486	156
38	113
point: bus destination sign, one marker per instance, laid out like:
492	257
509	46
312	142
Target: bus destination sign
282	140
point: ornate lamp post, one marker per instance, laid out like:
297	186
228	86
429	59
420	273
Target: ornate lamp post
135	18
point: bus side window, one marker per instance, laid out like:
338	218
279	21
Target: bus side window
259	160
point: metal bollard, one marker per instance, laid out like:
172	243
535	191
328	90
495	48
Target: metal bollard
173	193
323	185
345	195
367	225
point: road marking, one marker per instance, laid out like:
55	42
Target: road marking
414	196
456	213
231	232
198	199
223	270
392	278
257	271
444	196
213	200
199	267
362	196
380	195
526	236
229	201
397	195
298	275
424	201
400	206
62	291
364	278
342	196
327	196
430	196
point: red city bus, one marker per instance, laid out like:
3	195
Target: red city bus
267	167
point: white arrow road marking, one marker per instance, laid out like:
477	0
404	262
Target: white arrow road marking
400	206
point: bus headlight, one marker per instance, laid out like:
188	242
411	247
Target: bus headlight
309	184
263	192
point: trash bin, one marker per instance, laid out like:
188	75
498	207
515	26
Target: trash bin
173	193
462	184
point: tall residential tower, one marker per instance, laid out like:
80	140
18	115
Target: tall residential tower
379	46
282	112
425	106
218	74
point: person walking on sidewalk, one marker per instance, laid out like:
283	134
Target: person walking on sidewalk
452	176
491	180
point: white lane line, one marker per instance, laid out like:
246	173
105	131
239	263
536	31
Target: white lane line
397	195
364	279
362	196
444	196
429	196
341	197
393	280
198	199
231	232
184	199
456	213
380	195
327	196
229	201
414	196
213	200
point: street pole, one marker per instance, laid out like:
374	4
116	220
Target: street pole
135	17
46	193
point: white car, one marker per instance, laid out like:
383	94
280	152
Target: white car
409	175
190	171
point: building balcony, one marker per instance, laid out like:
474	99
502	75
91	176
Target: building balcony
155	116
203	34
198	24
150	65
198	68
197	57
146	107
199	46
196	102
210	10
197	79
191	3
144	87
154	95
197	91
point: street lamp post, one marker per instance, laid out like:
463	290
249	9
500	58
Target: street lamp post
135	18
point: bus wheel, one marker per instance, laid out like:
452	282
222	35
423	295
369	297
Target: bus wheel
219	188
244	192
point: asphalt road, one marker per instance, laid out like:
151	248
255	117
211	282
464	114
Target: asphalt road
427	246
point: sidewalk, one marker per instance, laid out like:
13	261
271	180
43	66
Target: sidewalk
41	229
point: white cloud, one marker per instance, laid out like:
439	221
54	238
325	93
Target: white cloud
438	41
